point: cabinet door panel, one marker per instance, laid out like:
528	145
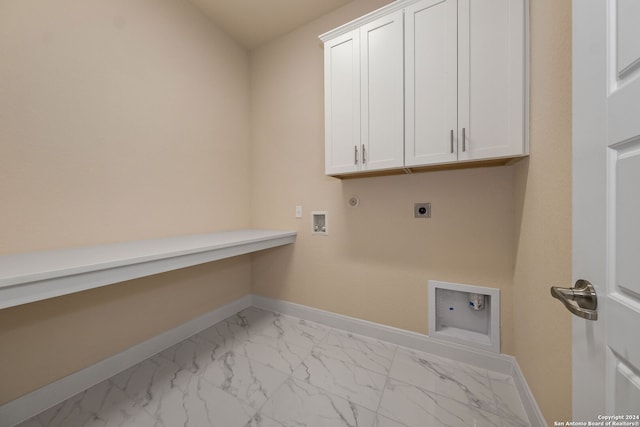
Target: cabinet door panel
382	93
342	103
491	60
431	82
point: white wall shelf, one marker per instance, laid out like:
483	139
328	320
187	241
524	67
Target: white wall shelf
35	276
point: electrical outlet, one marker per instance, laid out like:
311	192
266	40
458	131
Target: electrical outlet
422	210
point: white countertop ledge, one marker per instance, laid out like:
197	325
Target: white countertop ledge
35	276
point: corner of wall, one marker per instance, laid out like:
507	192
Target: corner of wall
542	202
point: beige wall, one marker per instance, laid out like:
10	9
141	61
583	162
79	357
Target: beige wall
376	261
542	326
119	120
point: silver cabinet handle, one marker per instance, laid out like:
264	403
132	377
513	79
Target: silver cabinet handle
355	147
451	141
364	158
581	300
464	140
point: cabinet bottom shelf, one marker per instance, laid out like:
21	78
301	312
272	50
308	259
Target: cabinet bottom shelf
431	168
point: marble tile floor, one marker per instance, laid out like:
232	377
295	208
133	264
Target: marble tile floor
262	369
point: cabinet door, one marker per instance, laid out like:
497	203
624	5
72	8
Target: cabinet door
431	98
382	93
342	104
491	81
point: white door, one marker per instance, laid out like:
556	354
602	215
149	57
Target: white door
606	206
382	93
431	82
491	78
342	103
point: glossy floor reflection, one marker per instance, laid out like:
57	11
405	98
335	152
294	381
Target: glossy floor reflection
261	369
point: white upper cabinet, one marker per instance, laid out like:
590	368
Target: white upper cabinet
382	94
427	82
342	103
364	99
431	80
491	79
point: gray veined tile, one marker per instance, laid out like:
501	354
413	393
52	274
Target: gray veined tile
478	386
255	321
133	418
277	354
382	421
414	406
510	407
147	382
201	404
297	403
260	420
256	318
227	333
311	331
265	326
292	331
234	374
251	382
237	328
351	382
101	405
361	351
467	384
195	354
414	367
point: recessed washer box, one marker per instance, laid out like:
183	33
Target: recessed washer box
320	223
465	314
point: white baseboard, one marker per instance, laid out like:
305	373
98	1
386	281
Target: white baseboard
478	357
483	359
50	395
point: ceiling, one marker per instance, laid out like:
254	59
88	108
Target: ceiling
255	22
